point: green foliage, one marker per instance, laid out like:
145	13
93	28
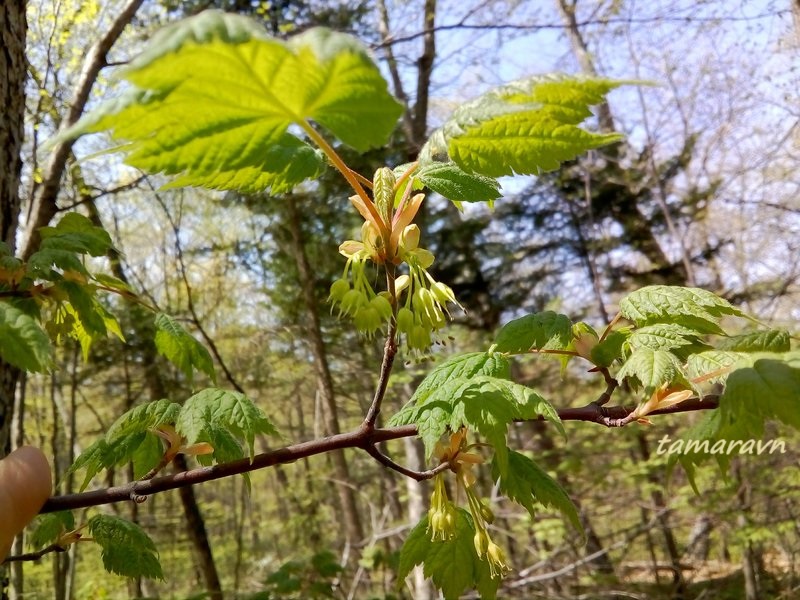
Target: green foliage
123	441
49	527
605	352
526	483
469	391
717	362
206	103
54	277
484	404
760	387
763	386
771	340
670	337
541	331
694	308
219	417
23	343
76	233
314	580
125	548
181	349
526	127
215	102
463	365
453	564
651	369
449	180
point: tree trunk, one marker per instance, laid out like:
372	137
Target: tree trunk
13	28
347	499
196	528
678	582
416	492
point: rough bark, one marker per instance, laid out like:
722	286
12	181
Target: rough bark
347	500
13	27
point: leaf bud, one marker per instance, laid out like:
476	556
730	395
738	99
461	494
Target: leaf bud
383	192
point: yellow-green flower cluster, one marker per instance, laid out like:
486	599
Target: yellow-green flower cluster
368	309
461	461
442	513
425	306
389	238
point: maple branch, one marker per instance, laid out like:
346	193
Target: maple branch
363	438
416	475
611	385
31	556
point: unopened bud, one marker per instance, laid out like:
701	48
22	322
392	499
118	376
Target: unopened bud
383	192
409	239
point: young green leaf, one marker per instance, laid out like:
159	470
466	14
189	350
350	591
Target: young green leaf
771	340
693	308
765	385
670	337
529	404
539	331
452	182
526	127
125	548
453	565
76	233
610	349
142	418
51	263
482	403
464	365
219	417
284	164
486	409
181	349
23	343
128	439
215	96
704	364
526	483
651	368
48	527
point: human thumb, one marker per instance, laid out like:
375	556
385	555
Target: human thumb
25	484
